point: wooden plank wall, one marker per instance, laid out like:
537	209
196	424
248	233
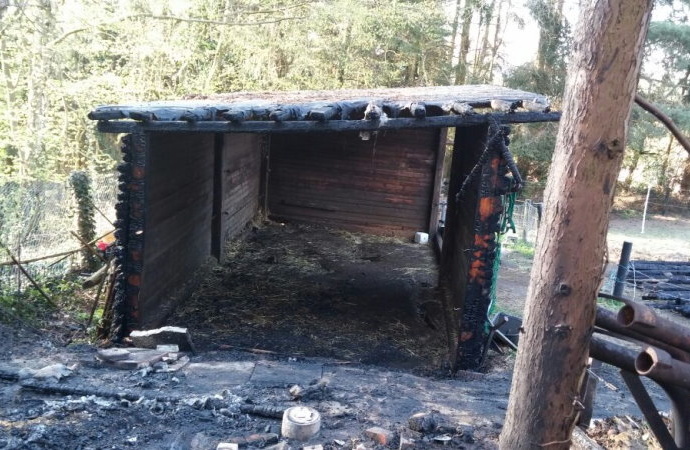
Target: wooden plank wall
459	232
240	184
179	197
382	185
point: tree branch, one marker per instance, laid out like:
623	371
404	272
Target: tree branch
666	120
173	18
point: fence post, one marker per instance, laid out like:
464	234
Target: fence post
622	272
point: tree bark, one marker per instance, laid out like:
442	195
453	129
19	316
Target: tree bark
461	68
561	299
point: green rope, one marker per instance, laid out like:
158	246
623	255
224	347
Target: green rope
507	224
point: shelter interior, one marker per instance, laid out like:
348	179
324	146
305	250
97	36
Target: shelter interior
197	173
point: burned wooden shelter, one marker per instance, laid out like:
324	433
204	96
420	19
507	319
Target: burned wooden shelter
195	172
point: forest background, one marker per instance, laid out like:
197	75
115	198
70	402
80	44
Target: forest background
60	58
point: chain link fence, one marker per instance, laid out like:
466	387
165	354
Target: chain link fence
36	220
527	216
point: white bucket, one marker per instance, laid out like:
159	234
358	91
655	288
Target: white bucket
421	238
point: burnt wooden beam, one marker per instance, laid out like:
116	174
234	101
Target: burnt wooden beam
285	114
373	112
235	115
416	110
324	113
110	126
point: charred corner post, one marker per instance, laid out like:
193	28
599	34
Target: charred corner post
196	172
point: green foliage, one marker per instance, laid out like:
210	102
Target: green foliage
31	307
60	59
86	211
609	304
520	247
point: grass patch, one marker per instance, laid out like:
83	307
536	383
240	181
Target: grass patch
30	307
520	247
607	303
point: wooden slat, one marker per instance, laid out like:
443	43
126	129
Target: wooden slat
383	184
177	236
241	179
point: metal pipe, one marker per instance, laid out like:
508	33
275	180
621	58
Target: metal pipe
659	365
612	353
622	271
646	405
644	320
608	320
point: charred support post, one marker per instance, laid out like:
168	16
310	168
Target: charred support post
129	234
471	251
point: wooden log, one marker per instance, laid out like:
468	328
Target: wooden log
416	110
392	109
235	115
324	113
373	112
142	116
287	113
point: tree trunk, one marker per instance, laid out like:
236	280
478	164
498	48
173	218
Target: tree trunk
498	40
461	68
454	31
666	182
631	170
479	64
561	299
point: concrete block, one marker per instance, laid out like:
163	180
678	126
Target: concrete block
163	336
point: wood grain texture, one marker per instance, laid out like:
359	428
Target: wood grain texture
179	194
458	235
240	183
561	299
384	184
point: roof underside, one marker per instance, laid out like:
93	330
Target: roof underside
363	109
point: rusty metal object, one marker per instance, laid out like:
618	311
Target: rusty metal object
647	407
608	320
612	353
625	358
644	320
658	364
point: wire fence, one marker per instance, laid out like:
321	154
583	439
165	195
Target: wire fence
527	216
36	219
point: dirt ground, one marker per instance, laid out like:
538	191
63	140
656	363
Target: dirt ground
307	301
312	291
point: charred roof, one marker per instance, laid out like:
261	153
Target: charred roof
360	109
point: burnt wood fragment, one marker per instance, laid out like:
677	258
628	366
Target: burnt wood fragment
142	116
373	112
416	110
324	113
286	113
235	115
